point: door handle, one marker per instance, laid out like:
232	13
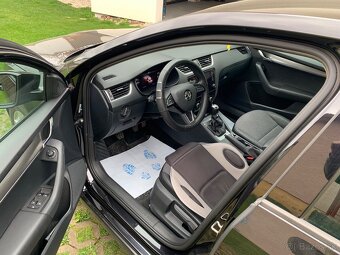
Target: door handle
49	128
54	152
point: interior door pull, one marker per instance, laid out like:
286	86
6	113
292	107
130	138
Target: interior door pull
54	152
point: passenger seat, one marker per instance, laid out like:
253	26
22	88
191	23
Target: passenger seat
260	127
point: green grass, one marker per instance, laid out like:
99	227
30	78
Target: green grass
66	239
5	122
241	245
250	199
4	66
112	247
63	253
3	97
27	21
326	223
88	250
278	204
85	234
82	215
103	231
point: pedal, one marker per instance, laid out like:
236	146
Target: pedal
120	135
143	124
135	128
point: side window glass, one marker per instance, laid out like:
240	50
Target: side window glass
311	188
324	212
21	92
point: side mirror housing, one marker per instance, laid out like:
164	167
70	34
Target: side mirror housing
19	88
8	89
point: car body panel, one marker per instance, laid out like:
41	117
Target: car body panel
56	50
238	23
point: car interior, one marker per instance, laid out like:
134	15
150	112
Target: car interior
174	129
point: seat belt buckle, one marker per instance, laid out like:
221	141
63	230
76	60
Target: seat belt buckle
250	159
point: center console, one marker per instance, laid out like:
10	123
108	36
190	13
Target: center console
210	77
219	128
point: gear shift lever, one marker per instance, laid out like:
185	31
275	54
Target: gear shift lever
216	125
214	110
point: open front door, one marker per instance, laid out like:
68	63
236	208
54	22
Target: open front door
42	171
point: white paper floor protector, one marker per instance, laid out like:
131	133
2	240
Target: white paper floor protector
137	169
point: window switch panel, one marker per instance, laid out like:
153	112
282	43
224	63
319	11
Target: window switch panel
39	199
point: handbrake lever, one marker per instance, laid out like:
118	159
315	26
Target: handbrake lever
251	151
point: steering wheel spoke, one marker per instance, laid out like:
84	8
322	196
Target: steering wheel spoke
170	101
199	86
188	117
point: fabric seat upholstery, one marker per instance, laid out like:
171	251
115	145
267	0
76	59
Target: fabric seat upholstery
260	127
201	174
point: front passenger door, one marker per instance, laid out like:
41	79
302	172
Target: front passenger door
42	171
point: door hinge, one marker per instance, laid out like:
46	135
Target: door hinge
79	124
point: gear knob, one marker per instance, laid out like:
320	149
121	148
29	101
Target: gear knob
214	109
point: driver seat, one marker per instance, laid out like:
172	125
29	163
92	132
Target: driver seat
197	175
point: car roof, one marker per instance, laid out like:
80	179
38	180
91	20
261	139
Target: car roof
326	9
299	26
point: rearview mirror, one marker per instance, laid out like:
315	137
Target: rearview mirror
8	90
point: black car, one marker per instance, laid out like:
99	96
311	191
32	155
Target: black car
209	133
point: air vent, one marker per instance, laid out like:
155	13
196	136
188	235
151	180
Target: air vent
205	61
184	69
108	77
120	90
243	50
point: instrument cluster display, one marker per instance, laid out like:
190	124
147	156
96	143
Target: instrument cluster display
146	82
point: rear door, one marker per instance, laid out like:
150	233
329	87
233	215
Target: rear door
42	171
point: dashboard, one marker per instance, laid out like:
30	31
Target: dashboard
124	93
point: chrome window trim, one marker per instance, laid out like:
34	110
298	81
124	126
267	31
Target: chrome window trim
289	63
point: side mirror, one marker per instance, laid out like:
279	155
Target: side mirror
19	88
8	89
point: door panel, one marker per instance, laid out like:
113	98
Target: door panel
42	172
75	175
275	81
24	229
288	79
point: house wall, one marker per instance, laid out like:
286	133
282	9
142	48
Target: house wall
146	10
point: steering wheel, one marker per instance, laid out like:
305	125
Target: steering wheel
181	98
